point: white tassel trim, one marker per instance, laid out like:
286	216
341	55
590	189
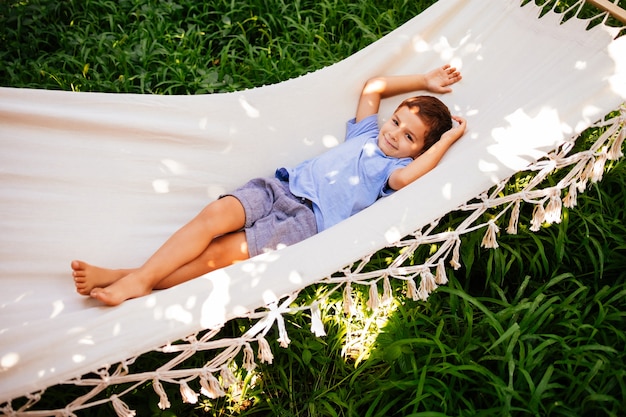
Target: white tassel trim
265	352
189	395
348	303
120	408
412	290
227	376
454	262
211	387
571	198
616	148
598	166
317	326
490	239
514	220
387	292
427	282
553	209
248	358
164	402
538	217
283	338
374	300
441	278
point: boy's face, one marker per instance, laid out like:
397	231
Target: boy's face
402	136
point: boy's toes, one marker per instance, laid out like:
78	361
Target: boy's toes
79	266
82	290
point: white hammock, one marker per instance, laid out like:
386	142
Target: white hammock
108	177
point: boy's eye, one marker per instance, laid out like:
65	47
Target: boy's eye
409	137
395	122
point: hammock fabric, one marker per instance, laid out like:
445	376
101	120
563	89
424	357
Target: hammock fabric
108	177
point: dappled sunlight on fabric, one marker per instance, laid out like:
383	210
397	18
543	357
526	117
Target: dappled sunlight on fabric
618	79
447	52
161	186
250	110
87	340
117	329
174	167
295	277
393	235
590	114
446	191
214	308
57	308
178	313
330	141
269	297
9	360
168	167
523	140
78	358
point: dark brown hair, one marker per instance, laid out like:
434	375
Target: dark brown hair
435	115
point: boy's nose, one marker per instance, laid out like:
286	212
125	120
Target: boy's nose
394	134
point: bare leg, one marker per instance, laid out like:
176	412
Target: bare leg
219	218
223	251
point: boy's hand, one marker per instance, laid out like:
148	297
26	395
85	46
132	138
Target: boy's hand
439	79
456	132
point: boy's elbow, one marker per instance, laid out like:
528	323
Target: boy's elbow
405	176
374	85
397	181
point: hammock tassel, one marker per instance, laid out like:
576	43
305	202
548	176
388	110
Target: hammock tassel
514	220
412	289
538	217
211	387
248	358
616	148
348	303
387	292
164	402
454	262
490	239
572	195
441	278
265	352
189	395
585	175
553	209
427	282
283	338
598	166
374	299
227	376
317	326
120	408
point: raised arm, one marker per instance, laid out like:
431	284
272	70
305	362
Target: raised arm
375	89
429	159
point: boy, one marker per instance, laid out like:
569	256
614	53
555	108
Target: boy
302	201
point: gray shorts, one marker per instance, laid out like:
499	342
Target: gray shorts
274	216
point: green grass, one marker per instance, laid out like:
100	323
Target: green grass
535	327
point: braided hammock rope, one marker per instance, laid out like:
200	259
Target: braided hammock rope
577	170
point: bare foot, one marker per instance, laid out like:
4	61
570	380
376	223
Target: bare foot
130	286
87	277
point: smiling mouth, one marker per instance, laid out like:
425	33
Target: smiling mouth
389	143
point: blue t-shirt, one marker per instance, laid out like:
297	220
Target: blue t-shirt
348	178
